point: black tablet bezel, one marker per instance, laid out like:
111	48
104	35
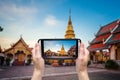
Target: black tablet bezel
41	41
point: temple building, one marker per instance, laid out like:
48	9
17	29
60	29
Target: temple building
19	52
48	52
114	41
62	51
1	57
106	44
69	32
72	51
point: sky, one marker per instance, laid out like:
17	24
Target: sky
38	19
56	46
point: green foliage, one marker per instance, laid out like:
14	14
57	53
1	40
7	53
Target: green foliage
29	61
89	62
111	64
1	29
7	61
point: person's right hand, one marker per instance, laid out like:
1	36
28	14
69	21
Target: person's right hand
81	62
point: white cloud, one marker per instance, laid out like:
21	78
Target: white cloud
57	45
13	12
51	20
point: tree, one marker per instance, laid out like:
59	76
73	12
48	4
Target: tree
1	29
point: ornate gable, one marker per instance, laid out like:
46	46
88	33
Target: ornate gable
20	45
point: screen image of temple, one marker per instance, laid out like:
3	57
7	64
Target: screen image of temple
62	52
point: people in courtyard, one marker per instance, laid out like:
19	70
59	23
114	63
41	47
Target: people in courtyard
81	63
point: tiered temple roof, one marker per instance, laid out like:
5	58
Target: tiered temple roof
106	34
115	37
72	49
19	41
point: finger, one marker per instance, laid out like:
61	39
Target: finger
87	53
82	49
79	49
38	50
33	52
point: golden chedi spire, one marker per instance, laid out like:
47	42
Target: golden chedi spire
69	32
63	52
62	48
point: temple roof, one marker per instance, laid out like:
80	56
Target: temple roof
107	28
23	42
48	51
101	38
117	29
107	34
98	46
115	37
73	48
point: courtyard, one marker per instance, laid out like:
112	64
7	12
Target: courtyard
56	73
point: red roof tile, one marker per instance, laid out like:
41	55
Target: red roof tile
97	46
100	38
103	37
116	37
117	29
108	27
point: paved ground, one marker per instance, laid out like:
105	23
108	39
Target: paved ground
104	75
56	73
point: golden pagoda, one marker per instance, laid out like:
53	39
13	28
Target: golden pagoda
62	52
69	32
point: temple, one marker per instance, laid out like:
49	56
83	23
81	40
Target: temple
19	52
62	52
106	44
1	57
69	32
72	51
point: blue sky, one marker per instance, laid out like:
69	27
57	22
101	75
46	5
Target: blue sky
34	19
57	45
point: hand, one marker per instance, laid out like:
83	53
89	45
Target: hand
38	63
81	62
